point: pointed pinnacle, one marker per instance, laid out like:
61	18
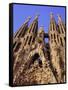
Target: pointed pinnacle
36	17
51	15
27	20
59	17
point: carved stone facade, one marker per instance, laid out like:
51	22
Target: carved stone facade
34	60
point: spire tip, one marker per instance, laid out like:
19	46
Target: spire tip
36	17
28	18
59	17
51	15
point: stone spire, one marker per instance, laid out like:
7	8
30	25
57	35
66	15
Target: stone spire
31	32
54	41
36	17
27	20
52	22
34	25
52	19
59	18
52	30
22	29
51	15
61	25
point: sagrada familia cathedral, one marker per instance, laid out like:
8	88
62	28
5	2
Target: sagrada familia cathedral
36	61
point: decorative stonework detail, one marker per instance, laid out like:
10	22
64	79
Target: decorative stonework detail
34	60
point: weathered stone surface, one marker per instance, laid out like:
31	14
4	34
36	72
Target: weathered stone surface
35	61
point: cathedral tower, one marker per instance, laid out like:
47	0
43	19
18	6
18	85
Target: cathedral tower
36	61
56	44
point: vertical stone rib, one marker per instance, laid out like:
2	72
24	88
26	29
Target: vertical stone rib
22	29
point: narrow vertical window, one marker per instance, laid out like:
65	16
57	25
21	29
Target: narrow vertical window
29	40
54	36
58	29
57	38
61	41
51	38
26	40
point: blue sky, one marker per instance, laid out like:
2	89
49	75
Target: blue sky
21	12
